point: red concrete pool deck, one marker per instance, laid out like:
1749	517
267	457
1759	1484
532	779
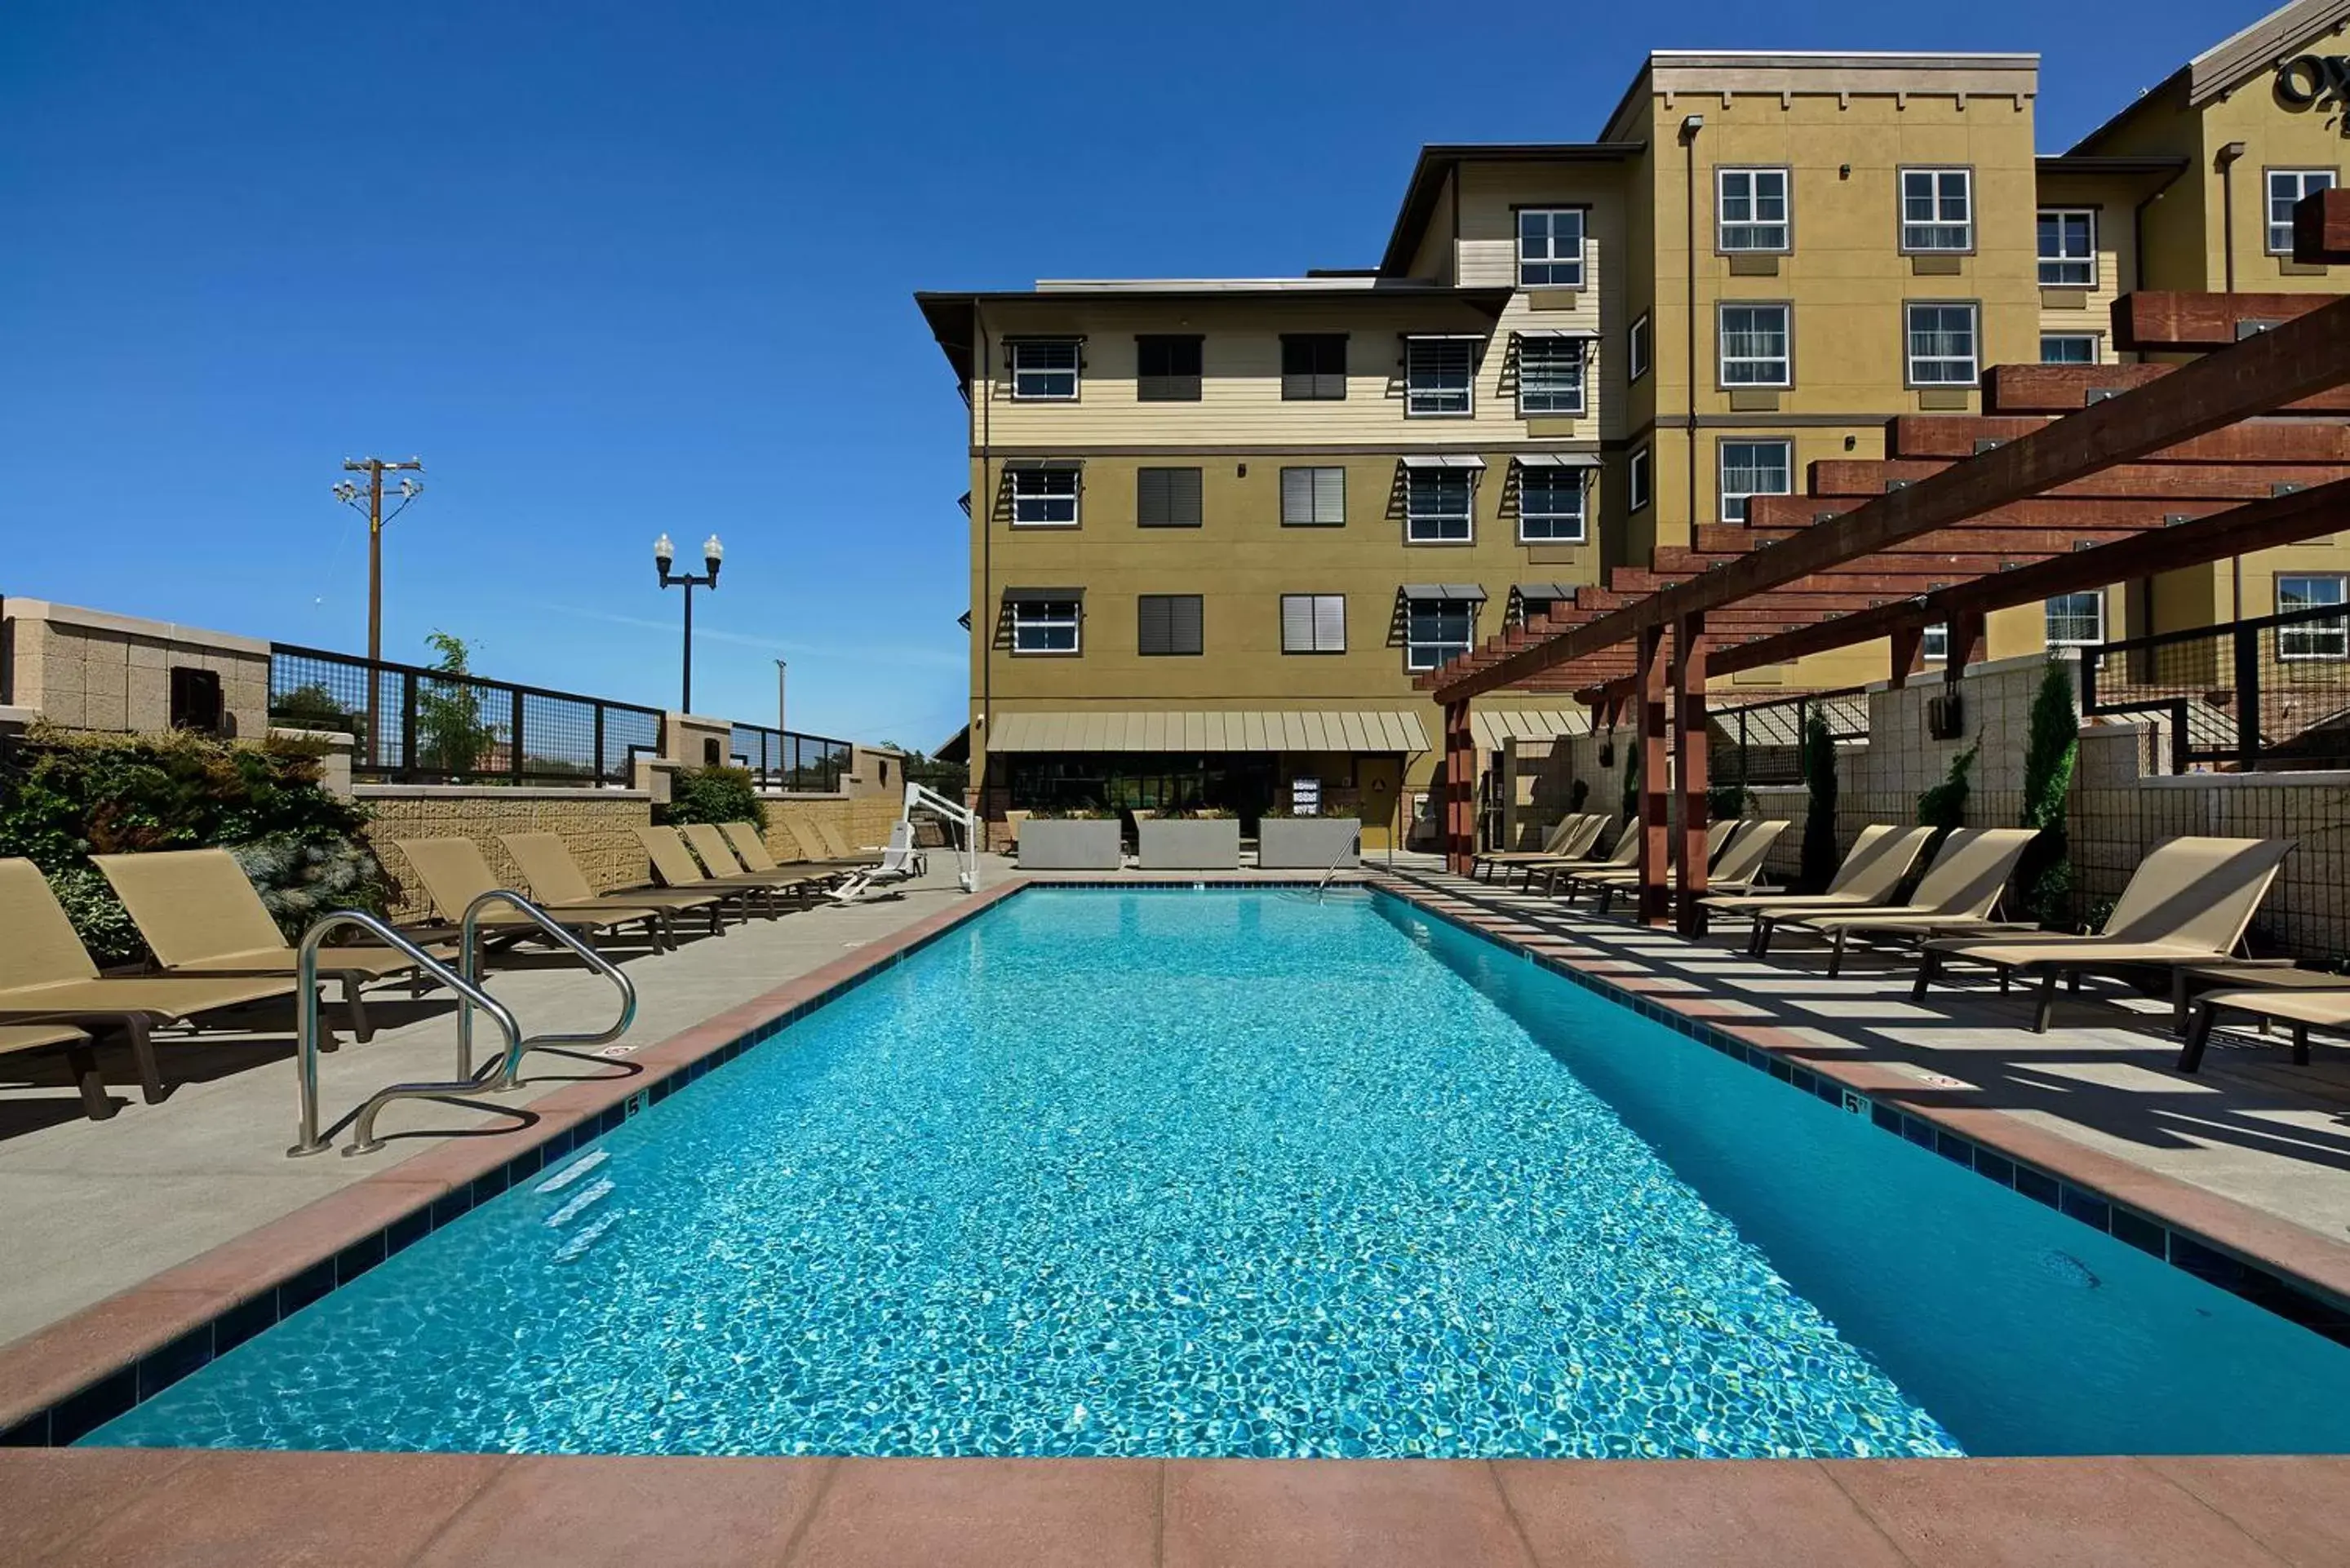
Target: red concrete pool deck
77	1506
71	1507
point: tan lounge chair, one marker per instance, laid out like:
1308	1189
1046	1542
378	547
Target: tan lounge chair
751	847
1969	872
808	827
681	874
2189	902
556	879
1625	879
81	1058
1575	849
1011	821
1872	871
455	872
1563	871
46	977
718	857
1554	844
1739	868
2318	1007
199	916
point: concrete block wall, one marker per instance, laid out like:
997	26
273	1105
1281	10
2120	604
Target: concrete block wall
91	670
595	824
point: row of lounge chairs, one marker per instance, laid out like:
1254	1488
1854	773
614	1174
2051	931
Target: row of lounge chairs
216	949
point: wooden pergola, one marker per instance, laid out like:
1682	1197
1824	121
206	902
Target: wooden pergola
2073	477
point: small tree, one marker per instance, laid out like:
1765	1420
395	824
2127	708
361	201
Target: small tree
1944	806
450	733
1819	865
713	794
2044	877
1632	784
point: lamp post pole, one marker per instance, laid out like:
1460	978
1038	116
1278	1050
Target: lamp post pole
712	554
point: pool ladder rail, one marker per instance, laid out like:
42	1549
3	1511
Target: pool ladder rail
501	1071
1353	851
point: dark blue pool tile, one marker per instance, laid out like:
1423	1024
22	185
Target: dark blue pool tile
2086	1207
1918	1132
1781	1069
451	1204
32	1432
158	1370
2140	1231
359	1257
1954	1148
526	1165
662	1090
1997	1167
1885	1117
2038	1185
94	1407
241	1322
305	1287
2205	1263
489	1184
1807	1082
407	1230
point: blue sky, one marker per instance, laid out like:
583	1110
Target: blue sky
618	268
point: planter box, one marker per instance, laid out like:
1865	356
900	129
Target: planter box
1307	843
1072	846
1195	844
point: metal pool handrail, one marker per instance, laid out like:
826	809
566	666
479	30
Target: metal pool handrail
306	969
1354	847
469	960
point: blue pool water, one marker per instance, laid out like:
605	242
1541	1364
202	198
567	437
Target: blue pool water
1236	1173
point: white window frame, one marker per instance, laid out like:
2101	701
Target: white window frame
1917	234
1416	653
2316	639
1567	527
1026	623
1639	346
1019	348
2280	234
1764	371
1327	612
1748	231
1414	517
2064	258
1322	482
1730	513
1637	480
2049	612
1543	250
1574	348
1911	358
1436	404
1045	502
2089	338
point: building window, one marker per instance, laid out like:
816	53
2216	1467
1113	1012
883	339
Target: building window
1314	366
1167	497
2068	348
1438	505
1550	247
1313	623
1168	624
1313	497
1045	626
1636	348
2076	620
1934	645
2068	248
1043	370
1751	210
1636	480
1751	468
1938	210
1438	376
2315	638
1550	504
1941	342
2286	187
1167	370
1550	376
1044	497
1754	346
1436	630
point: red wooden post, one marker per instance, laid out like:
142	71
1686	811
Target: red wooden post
1460	790
1966	643
1655	774
1908	641
1691	775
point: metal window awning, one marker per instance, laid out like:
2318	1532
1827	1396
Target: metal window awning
1555	459
1442	336
1030	464
1444	460
1442	593
1578	334
1495	727
1545	592
1041	596
1372	732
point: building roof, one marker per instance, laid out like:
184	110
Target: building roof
1437	160
2280	33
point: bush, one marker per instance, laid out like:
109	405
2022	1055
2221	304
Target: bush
1728	802
300	879
1819	865
1632	786
1577	792
2044	877
1944	806
713	794
452	736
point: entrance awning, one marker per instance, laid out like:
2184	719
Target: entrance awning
1368	731
1495	726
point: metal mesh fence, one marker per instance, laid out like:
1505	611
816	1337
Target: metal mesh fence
2271	693
1763	743
788	760
414	725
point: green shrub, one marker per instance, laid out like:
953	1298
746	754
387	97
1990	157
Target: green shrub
1728	802
1819	862
300	878
1577	792
2044	878
451	735
713	794
1944	806
97	916
1632	786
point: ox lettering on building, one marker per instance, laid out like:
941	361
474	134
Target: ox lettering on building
2307	80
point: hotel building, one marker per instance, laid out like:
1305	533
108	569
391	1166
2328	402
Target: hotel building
1217	526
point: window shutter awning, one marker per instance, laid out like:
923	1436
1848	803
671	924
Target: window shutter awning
1549	592
1574	334
1442	593
1035	464
1555	459
1041	596
1444	460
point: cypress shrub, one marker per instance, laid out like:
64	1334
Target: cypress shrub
2044	877
1819	862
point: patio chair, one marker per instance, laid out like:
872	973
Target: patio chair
718	857
1739	868
81	1059
806	826
2318	1007
199	915
751	847
1624	879
1575	850
1011	821
554	874
1554	844
46	977
1956	896
2189	902
1879	858
683	877
455	872
1553	872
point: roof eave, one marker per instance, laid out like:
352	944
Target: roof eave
1437	159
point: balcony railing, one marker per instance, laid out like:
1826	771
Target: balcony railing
2266	694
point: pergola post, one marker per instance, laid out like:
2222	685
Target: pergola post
1690	775
1966	643
1655	771
1459	790
1908	640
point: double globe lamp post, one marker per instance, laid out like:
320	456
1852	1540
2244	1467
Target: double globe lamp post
712	553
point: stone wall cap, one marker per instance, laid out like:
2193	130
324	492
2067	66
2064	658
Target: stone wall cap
494	791
2313	778
132	625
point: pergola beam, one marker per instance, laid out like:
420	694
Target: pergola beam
2137	480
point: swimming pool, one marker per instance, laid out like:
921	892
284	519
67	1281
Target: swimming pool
1234	1172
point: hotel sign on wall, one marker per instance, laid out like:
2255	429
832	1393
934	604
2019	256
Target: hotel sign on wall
2308	79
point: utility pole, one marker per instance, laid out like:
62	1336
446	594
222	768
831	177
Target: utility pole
349	495
779	694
